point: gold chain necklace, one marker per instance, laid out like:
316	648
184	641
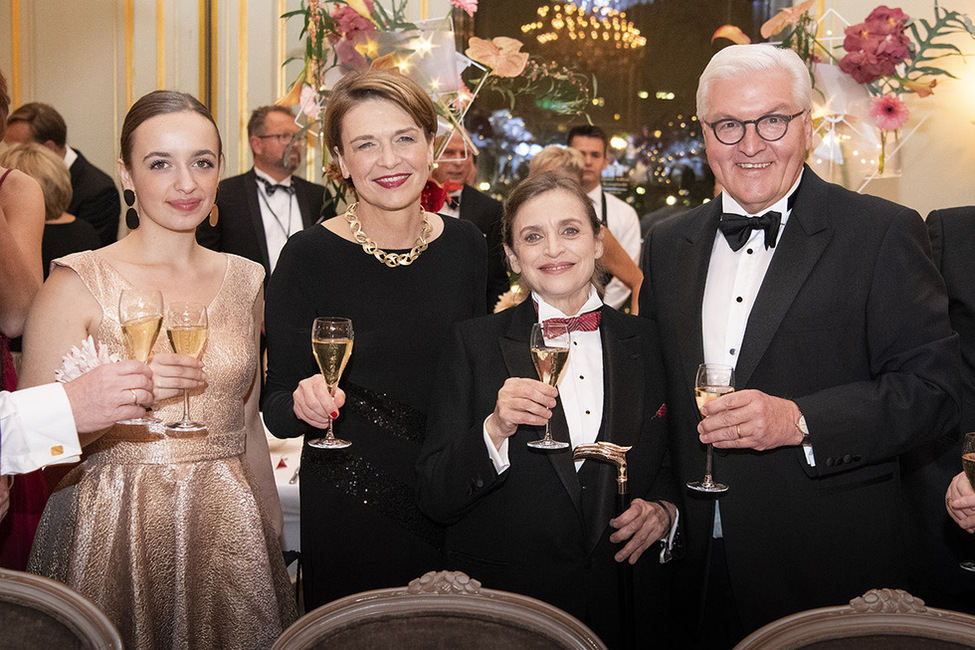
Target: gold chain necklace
392	260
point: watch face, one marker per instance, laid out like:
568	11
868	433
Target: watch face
801	425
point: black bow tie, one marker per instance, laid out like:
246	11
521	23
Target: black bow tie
270	188
737	228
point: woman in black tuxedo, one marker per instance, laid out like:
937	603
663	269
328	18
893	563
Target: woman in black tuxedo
536	522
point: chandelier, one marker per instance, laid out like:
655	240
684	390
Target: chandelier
569	25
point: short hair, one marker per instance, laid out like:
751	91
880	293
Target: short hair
255	125
735	61
45	167
4	103
442	140
44	123
556	158
160	102
588	131
393	87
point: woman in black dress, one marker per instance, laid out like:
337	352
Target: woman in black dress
408	276
537	522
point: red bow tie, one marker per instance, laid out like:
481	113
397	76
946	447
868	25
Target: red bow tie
587	322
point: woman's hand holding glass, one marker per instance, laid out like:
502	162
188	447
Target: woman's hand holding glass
520	401
314	404
173	373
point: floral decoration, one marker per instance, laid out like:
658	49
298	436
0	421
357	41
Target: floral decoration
346	35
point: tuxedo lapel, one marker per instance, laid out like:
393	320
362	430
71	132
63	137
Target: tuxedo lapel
257	222
517	358
802	243
694	249
623	395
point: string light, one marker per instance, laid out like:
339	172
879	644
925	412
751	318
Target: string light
568	23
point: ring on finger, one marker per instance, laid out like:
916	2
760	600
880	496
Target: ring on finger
135	397
738	430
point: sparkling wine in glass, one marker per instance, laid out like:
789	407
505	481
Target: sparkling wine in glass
550	354
186	327
713	381
140	316
331	343
968	464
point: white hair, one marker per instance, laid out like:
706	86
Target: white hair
736	61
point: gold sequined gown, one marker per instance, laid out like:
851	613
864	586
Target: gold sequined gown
166	534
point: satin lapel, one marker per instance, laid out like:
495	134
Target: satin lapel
805	238
257	222
694	255
517	359
623	394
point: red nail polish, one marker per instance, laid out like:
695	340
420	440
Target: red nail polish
334	414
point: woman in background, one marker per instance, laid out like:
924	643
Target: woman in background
172	537
63	233
402	275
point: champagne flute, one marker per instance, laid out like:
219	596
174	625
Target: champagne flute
968	464
186	328
713	381
140	315
550	354
331	343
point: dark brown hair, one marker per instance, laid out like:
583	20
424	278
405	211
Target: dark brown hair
161	102
4	103
588	131
43	122
356	87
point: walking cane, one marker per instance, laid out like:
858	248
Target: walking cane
616	455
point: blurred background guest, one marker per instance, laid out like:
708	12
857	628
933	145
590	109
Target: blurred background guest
402	275
458	165
186	526
532	521
94	197
617	215
63	233
614	260
261	208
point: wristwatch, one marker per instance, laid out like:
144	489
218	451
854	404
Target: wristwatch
803	429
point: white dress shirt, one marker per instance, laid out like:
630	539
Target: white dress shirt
280	214
622	221
581	386
36	429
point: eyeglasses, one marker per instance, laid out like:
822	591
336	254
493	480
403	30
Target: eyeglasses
282	138
768	127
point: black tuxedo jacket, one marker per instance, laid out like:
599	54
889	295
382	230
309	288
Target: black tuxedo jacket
94	198
540	528
938	544
485	213
851	322
240	228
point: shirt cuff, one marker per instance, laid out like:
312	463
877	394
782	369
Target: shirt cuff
667	547
499	457
37	429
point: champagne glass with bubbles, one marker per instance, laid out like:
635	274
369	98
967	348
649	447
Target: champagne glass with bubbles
186	327
550	354
140	316
713	381
331	343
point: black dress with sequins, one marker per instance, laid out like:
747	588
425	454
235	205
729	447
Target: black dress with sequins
360	526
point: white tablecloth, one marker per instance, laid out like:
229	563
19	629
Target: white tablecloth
288	451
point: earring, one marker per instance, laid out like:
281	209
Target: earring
131	216
214	215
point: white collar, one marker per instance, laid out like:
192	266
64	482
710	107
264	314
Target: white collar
260	174
781	206
546	311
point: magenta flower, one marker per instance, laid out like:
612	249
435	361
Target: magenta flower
876	46
352	23
470	6
889	112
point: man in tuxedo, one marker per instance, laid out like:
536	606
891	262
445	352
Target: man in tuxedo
829	308
94	197
621	219
260	209
456	164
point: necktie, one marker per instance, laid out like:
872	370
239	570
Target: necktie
587	322
270	188
737	228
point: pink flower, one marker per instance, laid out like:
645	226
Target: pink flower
887	18
501	54
309	102
888	112
876	46
351	22
470	6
